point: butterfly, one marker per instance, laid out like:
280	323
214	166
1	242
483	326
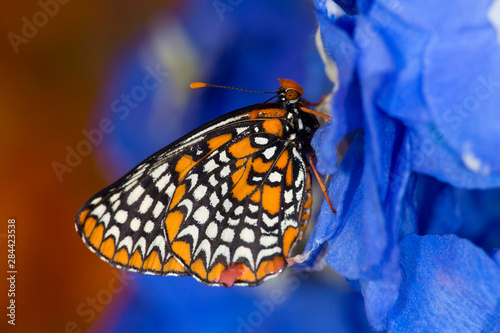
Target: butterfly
224	204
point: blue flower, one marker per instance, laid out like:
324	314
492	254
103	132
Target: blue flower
417	98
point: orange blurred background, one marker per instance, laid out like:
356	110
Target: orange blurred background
47	91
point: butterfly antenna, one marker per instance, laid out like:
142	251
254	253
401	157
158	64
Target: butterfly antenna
196	85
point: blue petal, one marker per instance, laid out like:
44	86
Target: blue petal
344	193
346	105
449	285
495	254
470	214
443	110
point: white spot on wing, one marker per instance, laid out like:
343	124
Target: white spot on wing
115	205
105	219
227	235
227	205
146	204
233	222
159	171
149	226
222	250
211	230
114	197
200	191
238	210
160	184
214	199
224	189
268	240
247	235
269	152
225	171
266	253
205	247
121	216
212	180
158	209
127	243
201	215
135	195
189	231
270	222
250	221
170	190
160	243
113	231
135	224
240	130
223	157
244	252
96	201
261	140
275	177
210	166
99	210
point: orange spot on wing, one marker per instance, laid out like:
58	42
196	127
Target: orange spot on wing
121	257
308	178
236	176
247	276
108	248
178	195
256	196
283	160
273	126
173	223
153	262
215	273
96	237
260	166
199	268
219	141
271	199
173	265
89	226
136	260
184	164
83	215
267	113
183	250
288	239
254	114
289	177
270	267
241	189
242	148
241	161
308	201
306	216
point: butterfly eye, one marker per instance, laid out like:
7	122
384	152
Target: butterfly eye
292	94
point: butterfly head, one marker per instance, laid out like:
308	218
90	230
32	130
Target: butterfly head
291	90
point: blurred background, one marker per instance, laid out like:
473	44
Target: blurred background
90	89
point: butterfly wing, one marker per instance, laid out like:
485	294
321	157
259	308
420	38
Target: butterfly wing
231	196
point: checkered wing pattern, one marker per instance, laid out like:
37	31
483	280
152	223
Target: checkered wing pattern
229	199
